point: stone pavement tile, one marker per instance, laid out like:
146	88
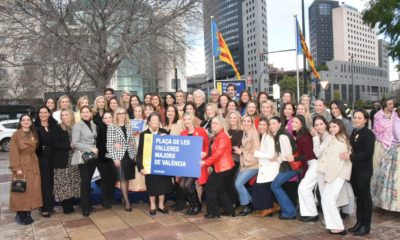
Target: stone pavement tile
382	232
197	236
107	221
170	219
158	233
223	230
52	228
72	216
126	234
16	231
183	229
147	227
285	238
74	223
134	218
85	233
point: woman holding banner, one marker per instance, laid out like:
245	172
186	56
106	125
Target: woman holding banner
220	158
157	185
187	183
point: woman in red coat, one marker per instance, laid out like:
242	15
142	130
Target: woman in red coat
220	158
187	183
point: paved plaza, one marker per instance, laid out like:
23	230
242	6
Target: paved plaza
138	224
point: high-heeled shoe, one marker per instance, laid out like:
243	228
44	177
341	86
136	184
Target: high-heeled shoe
126	209
153	212
163	210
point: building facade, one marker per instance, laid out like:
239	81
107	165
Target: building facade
353	38
243	24
321	32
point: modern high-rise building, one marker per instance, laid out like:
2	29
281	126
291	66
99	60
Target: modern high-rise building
243	24
321	33
353	38
228	15
358	69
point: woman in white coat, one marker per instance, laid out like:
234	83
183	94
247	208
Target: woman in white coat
308	208
263	197
335	172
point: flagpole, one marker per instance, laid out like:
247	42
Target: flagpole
297	58
212	52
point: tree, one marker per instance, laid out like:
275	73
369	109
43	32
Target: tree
290	83
385	14
100	34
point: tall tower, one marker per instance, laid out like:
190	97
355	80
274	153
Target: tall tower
228	14
321	33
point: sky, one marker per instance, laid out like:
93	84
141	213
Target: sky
280	36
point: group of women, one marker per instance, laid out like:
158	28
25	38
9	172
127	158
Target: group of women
253	156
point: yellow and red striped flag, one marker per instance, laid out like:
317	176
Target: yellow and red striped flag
221	49
303	45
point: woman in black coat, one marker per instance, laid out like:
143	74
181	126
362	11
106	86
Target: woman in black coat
66	176
105	165
44	127
157	185
362	142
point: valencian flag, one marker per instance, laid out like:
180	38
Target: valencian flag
221	49
301	44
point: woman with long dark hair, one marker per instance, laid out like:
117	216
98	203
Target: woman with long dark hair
157	185
338	111
44	129
362	141
244	98
24	164
134	101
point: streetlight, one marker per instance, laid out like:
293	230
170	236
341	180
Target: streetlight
352	82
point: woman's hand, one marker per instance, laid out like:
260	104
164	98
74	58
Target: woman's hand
313	132
202	163
290	158
117	163
203	155
19	173
95	150
143	172
118	146
345	156
237	150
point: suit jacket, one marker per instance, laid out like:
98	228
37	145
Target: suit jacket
363	145
139	156
116	135
61	146
101	141
84	139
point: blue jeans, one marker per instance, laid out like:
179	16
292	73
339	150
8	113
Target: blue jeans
241	179
287	208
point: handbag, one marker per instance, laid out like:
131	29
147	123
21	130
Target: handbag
295	165
89	157
77	158
18	185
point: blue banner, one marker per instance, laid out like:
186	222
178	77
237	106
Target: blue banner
172	155
240	86
137	125
214	30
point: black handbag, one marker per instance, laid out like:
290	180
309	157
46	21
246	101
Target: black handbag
88	157
18	185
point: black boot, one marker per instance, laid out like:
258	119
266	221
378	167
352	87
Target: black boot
362	230
246	210
196	204
189	197
355	227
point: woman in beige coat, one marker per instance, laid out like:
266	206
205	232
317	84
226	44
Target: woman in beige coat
24	164
334	173
248	162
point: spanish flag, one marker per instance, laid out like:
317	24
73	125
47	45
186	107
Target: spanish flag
221	49
301	44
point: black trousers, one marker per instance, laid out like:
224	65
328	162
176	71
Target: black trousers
47	180
361	183
86	171
231	190
106	169
180	198
216	192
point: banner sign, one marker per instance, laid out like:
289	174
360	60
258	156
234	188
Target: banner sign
172	155
240	86
137	125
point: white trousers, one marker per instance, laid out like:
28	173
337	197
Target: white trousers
329	204
307	204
